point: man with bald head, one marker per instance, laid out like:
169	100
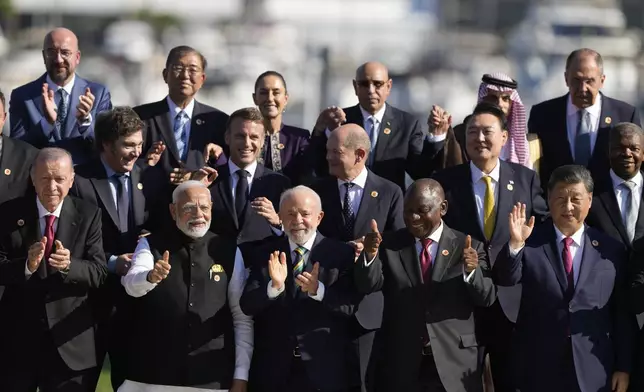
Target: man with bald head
186	330
575	128
51	255
432	277
396	136
301	294
352	196
59	108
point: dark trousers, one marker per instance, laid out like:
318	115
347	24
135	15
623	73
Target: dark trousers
299	380
496	336
430	381
362	356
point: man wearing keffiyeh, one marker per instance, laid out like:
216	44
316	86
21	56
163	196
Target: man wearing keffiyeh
497	88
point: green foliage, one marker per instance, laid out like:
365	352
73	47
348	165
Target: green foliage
6	8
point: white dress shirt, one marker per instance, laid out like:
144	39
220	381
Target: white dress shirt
251	169
572	120
42	222
621	194
175	110
356	192
274	293
480	188
68	89
136	285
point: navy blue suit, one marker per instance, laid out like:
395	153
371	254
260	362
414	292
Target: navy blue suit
29	123
561	340
548	121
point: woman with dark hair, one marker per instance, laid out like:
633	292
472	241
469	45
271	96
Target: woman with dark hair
285	146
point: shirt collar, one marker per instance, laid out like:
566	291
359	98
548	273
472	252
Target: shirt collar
576	237
308	245
68	87
251	169
360	180
174	109
109	171
436	235
594	110
477	174
617	181
378	116
42	211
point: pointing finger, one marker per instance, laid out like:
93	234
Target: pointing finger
468	242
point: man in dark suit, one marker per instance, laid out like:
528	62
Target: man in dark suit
574	331
432	277
51	255
178	124
574	128
114	183
482	193
397	139
351	197
16	157
59	108
617	201
300	301
245	192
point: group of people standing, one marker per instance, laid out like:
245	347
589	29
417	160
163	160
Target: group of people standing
202	251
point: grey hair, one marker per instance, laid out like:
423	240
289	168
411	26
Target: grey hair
576	54
571	174
625	128
50	154
184	186
300	189
357	139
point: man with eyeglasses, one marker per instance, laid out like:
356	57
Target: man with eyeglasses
58	109
396	136
182	135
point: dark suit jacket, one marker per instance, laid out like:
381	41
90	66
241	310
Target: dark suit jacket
516	184
266	183
382	200
15	162
444	307
293	319
548	121
398	150
636	297
597	317
606	216
29	124
296	164
63	297
207	125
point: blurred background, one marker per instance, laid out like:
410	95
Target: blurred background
436	50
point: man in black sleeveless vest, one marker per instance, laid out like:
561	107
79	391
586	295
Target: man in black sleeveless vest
186	326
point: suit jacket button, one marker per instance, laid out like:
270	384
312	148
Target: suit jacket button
193	264
191	304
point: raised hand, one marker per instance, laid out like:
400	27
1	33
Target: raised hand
179	175
372	241
470	257
358	246
439	120
154	153
330	118
264	207
48	103
207	175
308	282
35	254
213	151
60	259
277	269
161	269
85	105
520	229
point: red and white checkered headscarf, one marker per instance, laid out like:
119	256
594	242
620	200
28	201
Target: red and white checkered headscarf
516	149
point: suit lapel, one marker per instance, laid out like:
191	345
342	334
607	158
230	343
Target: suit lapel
6	162
639	227
552	253
443	261
30	231
334	212
197	133
506	199
226	194
565	148
608	200
166	126
410	261
467	202
102	185
366	208
600	151
74	99
38	101
387	128
68	224
588	258
138	198
255	191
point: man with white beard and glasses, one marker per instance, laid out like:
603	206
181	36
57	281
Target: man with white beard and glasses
301	295
186	330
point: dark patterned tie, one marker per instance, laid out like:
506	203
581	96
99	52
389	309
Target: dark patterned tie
241	195
567	259
425	259
347	211
122	201
61	116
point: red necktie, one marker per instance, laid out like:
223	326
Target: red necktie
49	233
425	258
567	259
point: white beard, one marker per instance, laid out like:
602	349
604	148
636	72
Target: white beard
194	233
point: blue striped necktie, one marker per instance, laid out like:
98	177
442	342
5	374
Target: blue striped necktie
180	134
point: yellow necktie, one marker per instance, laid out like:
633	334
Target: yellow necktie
489	218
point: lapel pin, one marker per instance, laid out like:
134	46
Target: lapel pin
140	186
387	131
199	121
280	146
608	120
388	123
374	194
445	252
217	278
21	222
595	243
510	187
7	172
511	182
216	268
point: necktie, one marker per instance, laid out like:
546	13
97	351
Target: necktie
567	259
122	202
241	194
629	213
371	131
49	233
298	264
180	122
425	259
582	139
489	219
61	116
347	211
